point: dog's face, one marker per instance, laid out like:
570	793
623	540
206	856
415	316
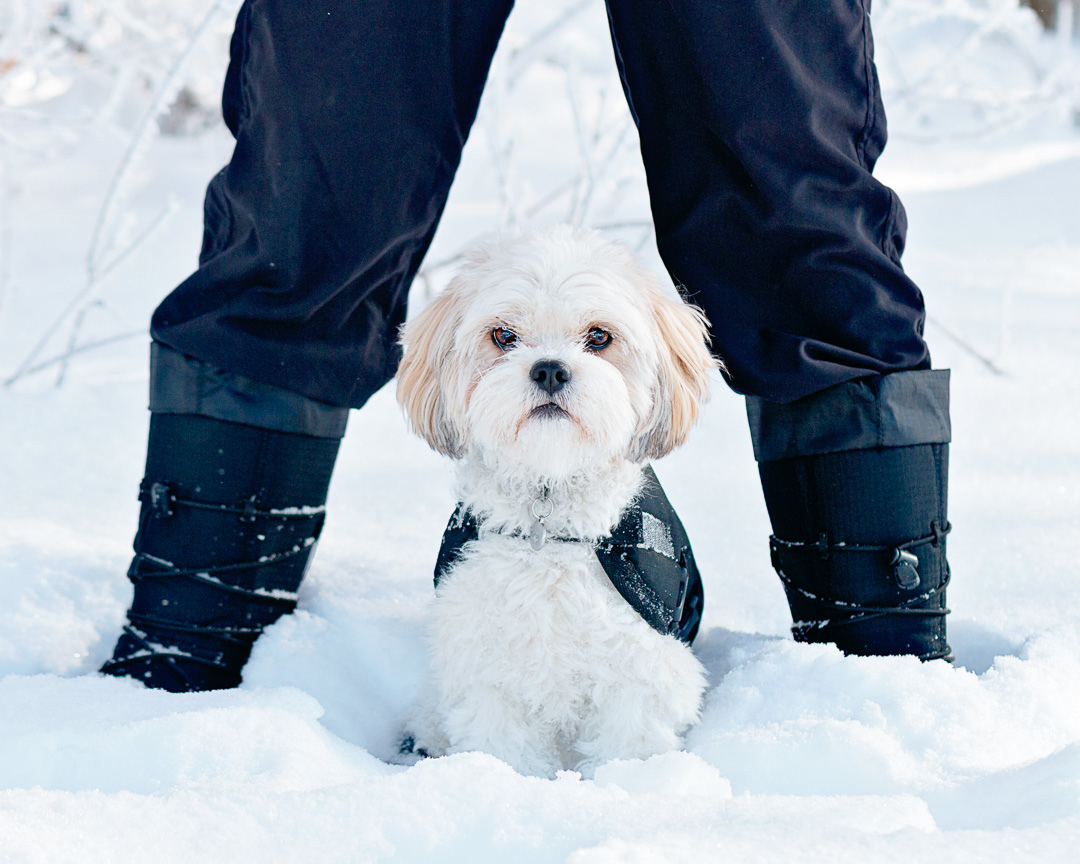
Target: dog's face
554	350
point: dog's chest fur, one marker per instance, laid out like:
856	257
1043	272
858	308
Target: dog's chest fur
547	626
535	656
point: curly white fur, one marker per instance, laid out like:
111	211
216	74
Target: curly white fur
535	657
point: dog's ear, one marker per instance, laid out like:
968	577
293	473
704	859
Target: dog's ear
425	383
682	378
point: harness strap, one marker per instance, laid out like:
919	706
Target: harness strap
647	557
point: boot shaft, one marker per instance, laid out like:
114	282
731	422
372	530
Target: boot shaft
860	544
855	480
229	521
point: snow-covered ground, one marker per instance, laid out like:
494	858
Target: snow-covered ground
802	754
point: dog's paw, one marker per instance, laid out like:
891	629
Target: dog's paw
418	743
408	752
410	748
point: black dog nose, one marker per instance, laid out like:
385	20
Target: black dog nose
550	375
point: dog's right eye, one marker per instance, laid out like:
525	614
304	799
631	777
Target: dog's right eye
503	337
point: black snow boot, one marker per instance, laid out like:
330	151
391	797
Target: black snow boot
856	484
229	521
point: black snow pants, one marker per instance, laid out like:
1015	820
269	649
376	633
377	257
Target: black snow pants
759	122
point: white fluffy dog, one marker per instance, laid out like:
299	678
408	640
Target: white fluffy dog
551	369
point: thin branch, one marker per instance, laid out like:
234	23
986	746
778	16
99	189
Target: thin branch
167	211
552	196
949	60
73	339
5	225
627	223
966	346
76	329
446	262
584	190
542	35
645	236
142	132
82	349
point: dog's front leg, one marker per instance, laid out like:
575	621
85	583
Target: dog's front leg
642	708
424	734
488	718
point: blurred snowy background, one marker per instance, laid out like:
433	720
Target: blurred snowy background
109	131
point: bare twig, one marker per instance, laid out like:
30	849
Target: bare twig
628	223
583	197
446	262
539	37
167	211
5	225
98	239
82	349
165	91
552	196
24	369
502	152
646	235
966	346
950	59
72	340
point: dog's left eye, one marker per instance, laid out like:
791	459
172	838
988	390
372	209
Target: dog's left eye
503	337
597	339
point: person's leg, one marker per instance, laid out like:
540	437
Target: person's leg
349	121
760	123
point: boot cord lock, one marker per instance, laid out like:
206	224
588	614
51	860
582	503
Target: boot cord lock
904	566
903	561
160	500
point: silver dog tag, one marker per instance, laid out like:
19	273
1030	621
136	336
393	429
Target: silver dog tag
541	508
537	535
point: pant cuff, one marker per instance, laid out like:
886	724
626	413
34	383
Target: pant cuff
183	385
900	409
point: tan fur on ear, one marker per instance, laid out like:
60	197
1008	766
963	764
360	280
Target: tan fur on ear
428	340
685	364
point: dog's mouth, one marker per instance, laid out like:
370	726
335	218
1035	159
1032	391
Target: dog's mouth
548	409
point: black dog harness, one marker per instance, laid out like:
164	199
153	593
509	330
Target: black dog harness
647	558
